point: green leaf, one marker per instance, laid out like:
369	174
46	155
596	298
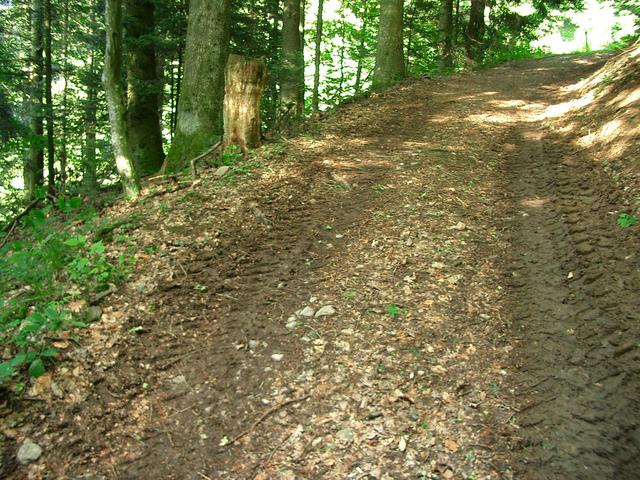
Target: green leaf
626	220
75	202
76	241
36	368
97	248
49	352
394	310
6	370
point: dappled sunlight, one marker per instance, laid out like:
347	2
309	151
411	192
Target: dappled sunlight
508	103
534	202
561	109
493	118
626	99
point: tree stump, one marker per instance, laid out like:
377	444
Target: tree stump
245	80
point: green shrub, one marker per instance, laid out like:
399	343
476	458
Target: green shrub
53	262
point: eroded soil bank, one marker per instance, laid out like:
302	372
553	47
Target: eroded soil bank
484	308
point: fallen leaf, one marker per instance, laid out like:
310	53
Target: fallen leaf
451	445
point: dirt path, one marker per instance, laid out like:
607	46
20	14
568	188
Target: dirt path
485	304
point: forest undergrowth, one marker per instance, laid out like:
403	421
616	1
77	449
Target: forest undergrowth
359	301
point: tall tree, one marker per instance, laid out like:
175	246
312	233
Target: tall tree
114	90
390	66
475	30
48	92
317	59
362	45
34	159
90	107
144	88
445	37
65	97
292	77
201	98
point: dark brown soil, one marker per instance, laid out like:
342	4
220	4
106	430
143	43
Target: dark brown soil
486	321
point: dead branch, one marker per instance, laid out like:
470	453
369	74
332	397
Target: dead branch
102	295
192	162
264	416
11	225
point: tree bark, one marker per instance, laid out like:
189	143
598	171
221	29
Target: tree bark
34	160
112	79
475	31
292	77
65	94
89	174
445	32
361	46
316	61
202	90
390	66
245	80
48	70
144	87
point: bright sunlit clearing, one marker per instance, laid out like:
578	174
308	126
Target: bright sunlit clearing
592	29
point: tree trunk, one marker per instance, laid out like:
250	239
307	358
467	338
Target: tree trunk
115	94
245	80
65	95
89	175
412	18
456	24
48	70
389	66
292	77
143	120
202	90
34	161
475	30
316	60
273	12
361	47
446	35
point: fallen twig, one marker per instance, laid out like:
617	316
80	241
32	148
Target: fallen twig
192	162
264	416
102	295
11	225
264	464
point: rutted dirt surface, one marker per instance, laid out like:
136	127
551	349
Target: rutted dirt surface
485	309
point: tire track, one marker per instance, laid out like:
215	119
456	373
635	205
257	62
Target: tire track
575	282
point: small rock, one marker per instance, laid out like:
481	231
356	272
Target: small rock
178	380
56	390
306	312
585	248
277	357
292	324
253	344
313	299
458	226
92	314
345	435
221	171
325	311
454	279
402	444
29	452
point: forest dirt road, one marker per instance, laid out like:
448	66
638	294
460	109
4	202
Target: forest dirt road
481	307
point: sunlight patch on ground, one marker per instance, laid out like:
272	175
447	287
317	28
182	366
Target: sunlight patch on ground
535	202
508	103
494	118
561	109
